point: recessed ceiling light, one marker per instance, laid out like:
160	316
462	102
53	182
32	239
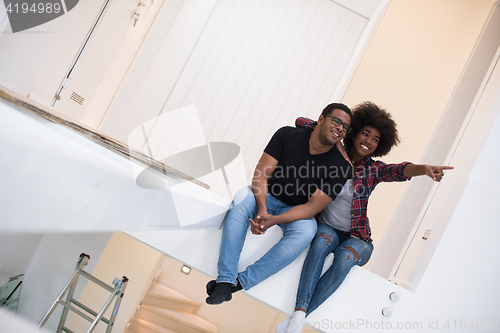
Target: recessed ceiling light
185	269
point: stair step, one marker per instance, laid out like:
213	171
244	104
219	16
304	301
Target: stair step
164	297
174	320
143	326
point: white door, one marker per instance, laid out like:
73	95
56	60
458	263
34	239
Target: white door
472	156
106	59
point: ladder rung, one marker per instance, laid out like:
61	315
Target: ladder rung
65	329
89	310
117	291
75	310
96	280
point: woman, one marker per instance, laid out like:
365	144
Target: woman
343	227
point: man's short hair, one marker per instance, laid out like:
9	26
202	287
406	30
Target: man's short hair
333	106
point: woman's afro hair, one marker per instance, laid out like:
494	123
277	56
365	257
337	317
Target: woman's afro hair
369	114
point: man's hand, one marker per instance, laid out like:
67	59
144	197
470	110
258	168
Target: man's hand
255	227
435	172
342	150
318	201
262	223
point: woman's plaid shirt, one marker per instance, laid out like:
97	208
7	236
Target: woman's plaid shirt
367	175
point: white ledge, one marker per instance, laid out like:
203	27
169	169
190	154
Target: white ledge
92	134
55	179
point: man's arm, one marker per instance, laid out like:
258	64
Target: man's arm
318	201
306	123
434	172
263	171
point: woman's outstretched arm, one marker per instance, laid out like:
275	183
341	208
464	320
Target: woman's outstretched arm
434	172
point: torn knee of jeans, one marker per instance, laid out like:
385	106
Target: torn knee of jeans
327	236
352	251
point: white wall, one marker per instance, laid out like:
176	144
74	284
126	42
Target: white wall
441	142
365	8
86	186
446	196
4	20
16	252
249	67
113	44
459	284
413	67
15	324
117	68
36	60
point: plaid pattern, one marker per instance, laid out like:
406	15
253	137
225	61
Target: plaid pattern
368	174
303	122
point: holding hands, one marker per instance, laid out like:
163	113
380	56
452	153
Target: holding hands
262	223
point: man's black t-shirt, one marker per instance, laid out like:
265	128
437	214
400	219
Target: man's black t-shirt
298	173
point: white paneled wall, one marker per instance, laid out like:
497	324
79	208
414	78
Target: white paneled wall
362	7
248	66
34	62
4	19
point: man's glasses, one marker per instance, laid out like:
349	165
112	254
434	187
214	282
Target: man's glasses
337	122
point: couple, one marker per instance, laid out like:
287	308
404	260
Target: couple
302	172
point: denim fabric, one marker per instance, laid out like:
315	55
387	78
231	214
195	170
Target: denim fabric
296	237
313	290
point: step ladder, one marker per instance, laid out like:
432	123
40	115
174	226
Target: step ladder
116	292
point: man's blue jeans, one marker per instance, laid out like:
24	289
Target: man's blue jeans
296	237
348	252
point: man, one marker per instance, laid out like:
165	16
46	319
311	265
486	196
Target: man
298	175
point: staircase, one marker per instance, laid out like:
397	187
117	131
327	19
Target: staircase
164	310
